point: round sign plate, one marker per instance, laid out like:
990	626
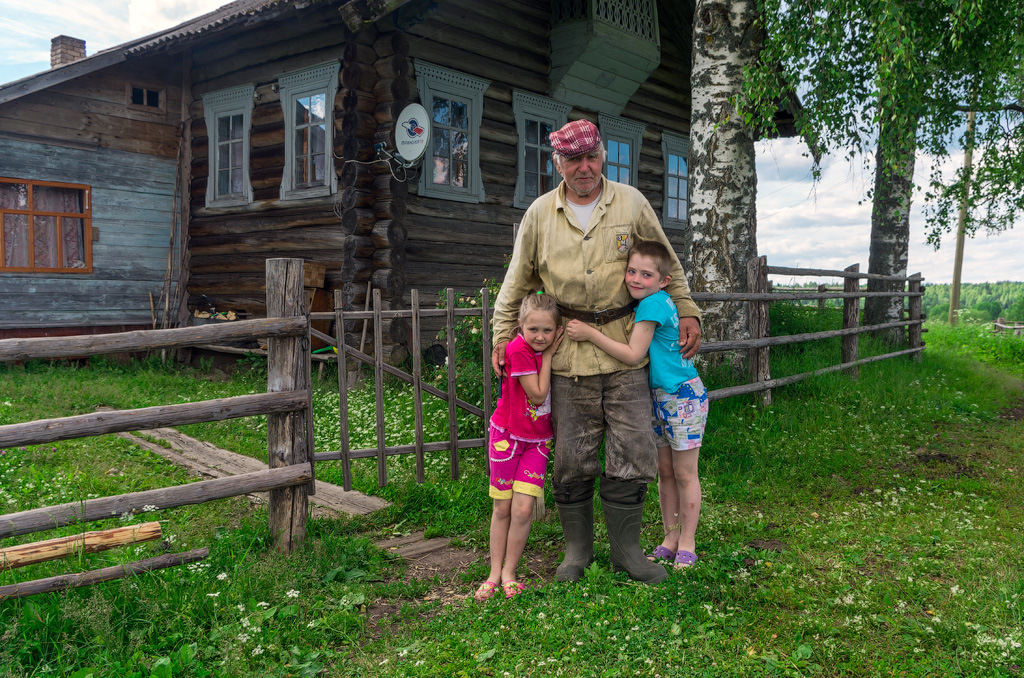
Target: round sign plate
412	132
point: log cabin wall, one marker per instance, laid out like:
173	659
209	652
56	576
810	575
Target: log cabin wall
376	229
229	245
507	42
87	131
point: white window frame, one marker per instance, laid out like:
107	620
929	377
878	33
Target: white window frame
216	105
319	79
527	106
672	144
431	80
620	130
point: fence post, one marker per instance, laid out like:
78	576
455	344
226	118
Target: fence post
821	302
378	389
851	320
288	369
417	387
757	315
914	304
339	324
453	411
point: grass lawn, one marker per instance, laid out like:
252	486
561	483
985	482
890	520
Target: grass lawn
853	528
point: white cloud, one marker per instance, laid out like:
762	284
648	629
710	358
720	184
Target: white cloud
829	227
150	16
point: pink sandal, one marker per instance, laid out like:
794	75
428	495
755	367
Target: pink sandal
486	590
512	588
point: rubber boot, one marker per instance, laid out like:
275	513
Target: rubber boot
577	518
623	514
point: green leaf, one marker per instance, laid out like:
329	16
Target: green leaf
161	668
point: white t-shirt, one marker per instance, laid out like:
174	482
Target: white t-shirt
583	212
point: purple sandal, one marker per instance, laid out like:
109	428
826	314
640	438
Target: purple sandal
684	559
661	553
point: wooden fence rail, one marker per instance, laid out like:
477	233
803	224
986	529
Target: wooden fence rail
1016	326
36	520
287	406
115	421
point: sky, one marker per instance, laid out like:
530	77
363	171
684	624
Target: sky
825	225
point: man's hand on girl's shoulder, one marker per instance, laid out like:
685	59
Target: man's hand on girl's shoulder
498	356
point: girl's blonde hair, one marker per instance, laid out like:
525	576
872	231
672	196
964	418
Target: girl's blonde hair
539	301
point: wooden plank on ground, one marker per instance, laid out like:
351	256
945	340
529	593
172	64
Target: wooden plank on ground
212	461
87	542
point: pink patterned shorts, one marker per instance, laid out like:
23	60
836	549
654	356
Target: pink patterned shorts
516	465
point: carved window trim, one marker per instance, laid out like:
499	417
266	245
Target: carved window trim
321	79
527	107
228	103
614	132
436	81
677	180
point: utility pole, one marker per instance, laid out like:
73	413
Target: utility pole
958	260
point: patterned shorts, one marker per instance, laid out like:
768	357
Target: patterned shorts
680	417
516	465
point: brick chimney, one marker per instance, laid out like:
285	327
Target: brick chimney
65	50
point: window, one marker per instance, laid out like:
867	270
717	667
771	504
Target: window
455	103
622	138
144	97
536	117
46	227
674	150
308	100
228	121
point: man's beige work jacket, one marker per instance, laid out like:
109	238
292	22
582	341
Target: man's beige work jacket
583	267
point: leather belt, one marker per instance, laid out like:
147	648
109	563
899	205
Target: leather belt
599	317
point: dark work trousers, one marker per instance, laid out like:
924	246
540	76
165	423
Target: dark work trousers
616	407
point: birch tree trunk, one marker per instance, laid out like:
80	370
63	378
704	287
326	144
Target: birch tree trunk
722	237
890	220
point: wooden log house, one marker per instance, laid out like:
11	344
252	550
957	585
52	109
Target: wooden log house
275	120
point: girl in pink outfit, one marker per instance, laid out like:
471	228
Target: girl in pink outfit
520	439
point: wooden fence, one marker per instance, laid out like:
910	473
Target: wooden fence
414	314
761	341
288	401
1001	325
757	347
287	405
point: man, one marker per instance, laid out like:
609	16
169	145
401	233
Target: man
573	243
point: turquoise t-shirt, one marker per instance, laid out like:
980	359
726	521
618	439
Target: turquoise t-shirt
668	369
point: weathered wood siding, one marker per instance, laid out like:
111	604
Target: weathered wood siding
93	111
132	199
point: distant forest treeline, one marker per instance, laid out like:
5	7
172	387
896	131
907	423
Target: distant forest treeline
986	301
990	300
